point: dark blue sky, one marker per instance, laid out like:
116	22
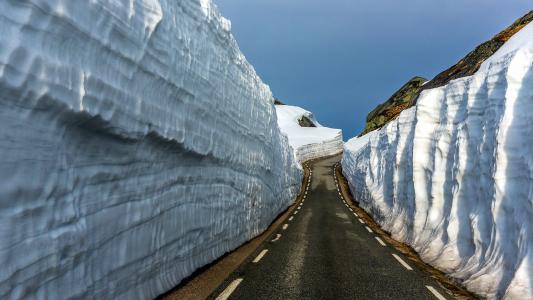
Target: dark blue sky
340	58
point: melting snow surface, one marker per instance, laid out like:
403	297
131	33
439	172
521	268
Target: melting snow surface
308	142
453	176
137	145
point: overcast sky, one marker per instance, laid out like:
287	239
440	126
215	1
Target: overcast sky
340	58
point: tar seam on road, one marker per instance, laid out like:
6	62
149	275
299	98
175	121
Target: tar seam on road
435	292
229	290
403	263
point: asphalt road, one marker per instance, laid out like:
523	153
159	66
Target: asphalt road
323	251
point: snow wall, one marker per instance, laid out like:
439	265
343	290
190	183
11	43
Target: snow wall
137	145
308	142
453	176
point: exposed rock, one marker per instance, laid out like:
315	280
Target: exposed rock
399	101
471	62
304	121
407	95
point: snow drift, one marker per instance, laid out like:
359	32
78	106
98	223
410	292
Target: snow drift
308	142
137	145
453	176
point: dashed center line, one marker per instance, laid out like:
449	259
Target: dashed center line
277	238
285	225
368	229
258	257
435	292
361	221
290	219
230	289
381	241
402	262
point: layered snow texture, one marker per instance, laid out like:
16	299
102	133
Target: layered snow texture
308	142
453	176
137	145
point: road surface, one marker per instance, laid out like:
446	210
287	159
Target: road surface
323	251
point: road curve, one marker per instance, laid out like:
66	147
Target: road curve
324	251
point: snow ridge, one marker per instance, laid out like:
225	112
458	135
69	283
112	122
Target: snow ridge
308	142
137	143
453	176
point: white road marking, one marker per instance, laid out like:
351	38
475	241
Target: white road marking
435	292
361	221
295	212
404	264
285	226
356	214
258	257
381	241
229	290
290	219
350	209
277	238
368	229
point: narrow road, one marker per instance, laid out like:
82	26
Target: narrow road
323	251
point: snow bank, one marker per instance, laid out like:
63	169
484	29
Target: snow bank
453	176
137	145
308	142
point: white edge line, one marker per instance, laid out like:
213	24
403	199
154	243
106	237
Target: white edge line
435	292
229	290
380	241
368	229
258	257
404	264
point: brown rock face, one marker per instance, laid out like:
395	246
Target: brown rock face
388	110
467	66
473	60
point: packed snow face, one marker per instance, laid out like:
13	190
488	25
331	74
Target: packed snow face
137	145
308	142
453	176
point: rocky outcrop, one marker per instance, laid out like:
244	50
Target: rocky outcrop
399	101
467	66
